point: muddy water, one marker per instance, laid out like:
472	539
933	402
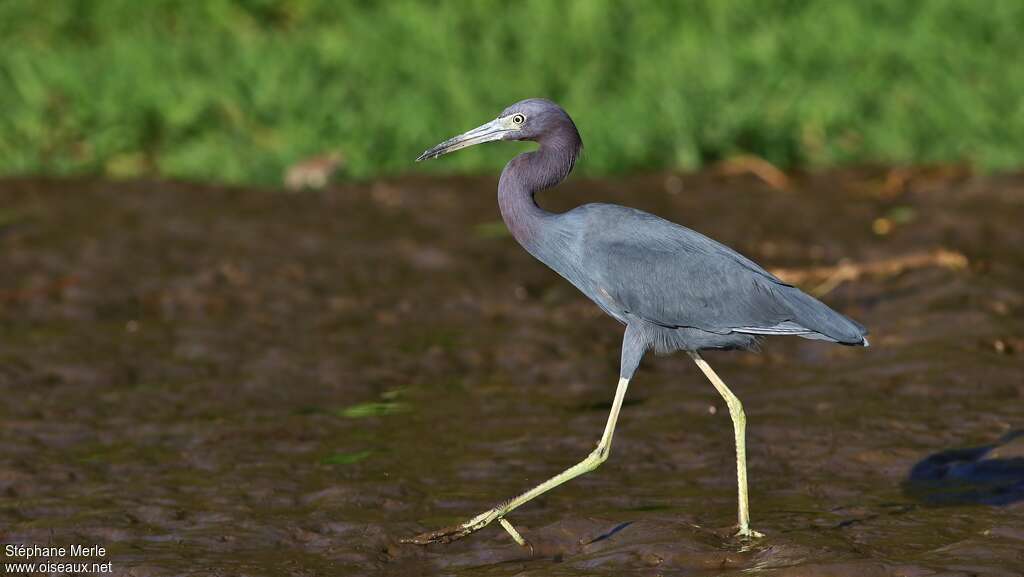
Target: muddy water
211	381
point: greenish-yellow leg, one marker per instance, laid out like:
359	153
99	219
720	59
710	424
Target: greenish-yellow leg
593	460
739	423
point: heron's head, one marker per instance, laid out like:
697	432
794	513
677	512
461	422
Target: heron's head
532	119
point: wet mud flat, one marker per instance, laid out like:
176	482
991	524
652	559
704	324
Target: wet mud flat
223	381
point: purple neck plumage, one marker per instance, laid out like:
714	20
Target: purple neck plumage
530	173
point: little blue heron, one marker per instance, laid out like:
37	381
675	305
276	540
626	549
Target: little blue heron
674	289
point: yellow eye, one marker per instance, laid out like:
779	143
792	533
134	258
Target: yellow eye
518	119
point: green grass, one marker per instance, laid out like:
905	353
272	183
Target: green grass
236	91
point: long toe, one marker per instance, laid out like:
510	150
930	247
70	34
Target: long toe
443	535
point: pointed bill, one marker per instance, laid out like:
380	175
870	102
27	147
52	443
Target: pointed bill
493	130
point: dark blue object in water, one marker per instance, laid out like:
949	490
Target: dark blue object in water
966	476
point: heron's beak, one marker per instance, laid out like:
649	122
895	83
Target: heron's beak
493	130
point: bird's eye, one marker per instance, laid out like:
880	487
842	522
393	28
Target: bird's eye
518	119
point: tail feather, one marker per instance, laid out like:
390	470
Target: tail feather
812	319
818	317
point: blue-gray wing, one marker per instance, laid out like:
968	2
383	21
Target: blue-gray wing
672	276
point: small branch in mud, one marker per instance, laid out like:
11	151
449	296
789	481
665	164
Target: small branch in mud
44	288
757	166
829	277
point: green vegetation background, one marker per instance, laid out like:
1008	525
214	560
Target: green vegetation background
238	90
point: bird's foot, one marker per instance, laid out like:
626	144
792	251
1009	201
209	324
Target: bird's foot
746	533
456	532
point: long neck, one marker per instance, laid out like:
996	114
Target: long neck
528	174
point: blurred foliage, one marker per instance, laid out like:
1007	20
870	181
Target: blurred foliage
346	458
373	410
238	90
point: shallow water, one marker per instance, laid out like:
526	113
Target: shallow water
212	381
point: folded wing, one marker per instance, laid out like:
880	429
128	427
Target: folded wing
672	276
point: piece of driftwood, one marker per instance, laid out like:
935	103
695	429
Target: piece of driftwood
757	166
829	277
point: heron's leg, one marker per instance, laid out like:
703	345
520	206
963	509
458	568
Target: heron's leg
739	423
593	460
